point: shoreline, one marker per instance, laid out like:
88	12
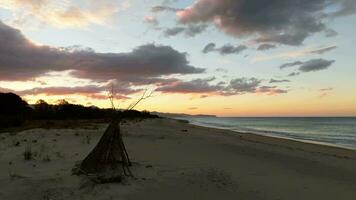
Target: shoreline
342	152
272	136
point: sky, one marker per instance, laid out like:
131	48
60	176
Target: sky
220	57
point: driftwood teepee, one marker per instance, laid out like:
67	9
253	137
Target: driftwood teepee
109	158
109	155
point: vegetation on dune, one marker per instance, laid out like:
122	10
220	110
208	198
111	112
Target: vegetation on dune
14	111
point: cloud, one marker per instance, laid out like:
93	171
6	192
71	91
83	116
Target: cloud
297	53
193	30
346	7
206	88
189	31
20	59
264	47
225	49
330	33
152	20
193	86
275	21
165	2
222	70
164	8
325	92
308	66
89	89
240	85
292	64
92	91
315	65
294	74
326	89
270	90
173	31
323	50
279	81
63	14
6	90
209	47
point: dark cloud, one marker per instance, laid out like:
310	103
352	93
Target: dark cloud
224	50
292	64
89	89
274	21
294	74
189	31
346	7
279	81
323	50
193	86
92	91
193	30
229	49
240	85
250	85
206	88
264	47
164	8
20	59
308	66
173	31
209	47
315	65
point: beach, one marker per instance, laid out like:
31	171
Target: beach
173	159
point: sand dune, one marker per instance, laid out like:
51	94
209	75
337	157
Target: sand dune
176	160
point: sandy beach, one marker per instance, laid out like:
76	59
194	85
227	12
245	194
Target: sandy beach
175	160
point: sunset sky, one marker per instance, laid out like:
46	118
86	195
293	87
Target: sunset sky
222	57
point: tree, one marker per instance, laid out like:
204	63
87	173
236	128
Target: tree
13	110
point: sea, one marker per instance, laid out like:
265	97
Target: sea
333	131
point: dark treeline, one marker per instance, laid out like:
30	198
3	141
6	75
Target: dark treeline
14	111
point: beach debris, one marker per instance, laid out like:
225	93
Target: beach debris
88	139
28	155
47	158
14	176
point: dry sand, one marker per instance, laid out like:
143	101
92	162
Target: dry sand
175	160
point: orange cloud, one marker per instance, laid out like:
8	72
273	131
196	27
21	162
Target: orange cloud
63	14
